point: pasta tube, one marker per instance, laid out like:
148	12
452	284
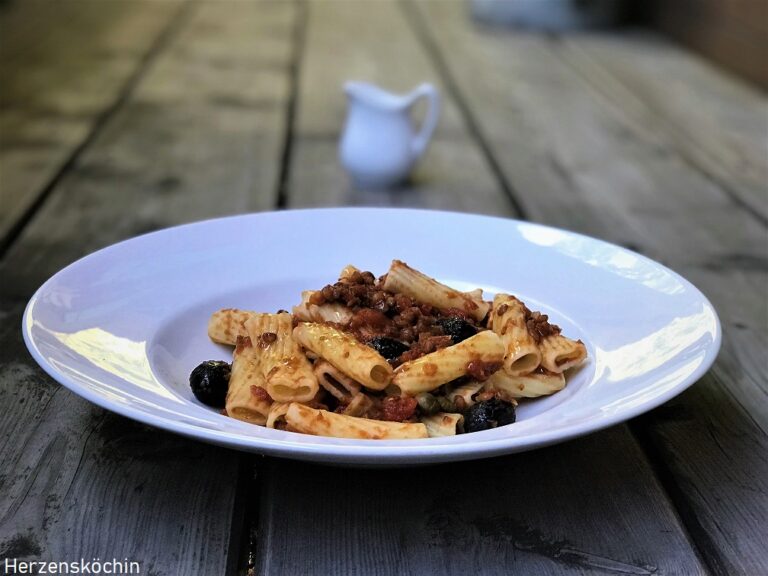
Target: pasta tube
323	423
356	360
483	350
329	312
335	381
241	402
287	372
558	353
406	280
358	406
526	385
276	416
521	353
227	324
443	424
466	392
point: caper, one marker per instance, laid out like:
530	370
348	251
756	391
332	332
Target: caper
446	404
428	403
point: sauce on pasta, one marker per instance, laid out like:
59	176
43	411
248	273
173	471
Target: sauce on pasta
401	356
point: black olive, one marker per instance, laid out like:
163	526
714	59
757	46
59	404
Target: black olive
387	347
489	414
457	328
209	382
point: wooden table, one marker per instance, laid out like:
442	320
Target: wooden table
125	116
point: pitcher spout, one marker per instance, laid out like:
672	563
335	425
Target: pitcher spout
375	97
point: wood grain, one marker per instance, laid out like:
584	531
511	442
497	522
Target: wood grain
598	170
717	461
586	507
200	136
716	123
57	81
535	513
121	128
580	161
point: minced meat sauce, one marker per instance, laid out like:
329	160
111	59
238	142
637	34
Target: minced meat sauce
376	313
537	323
421	328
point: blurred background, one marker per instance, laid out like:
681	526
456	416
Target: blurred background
644	123
262	80
731	33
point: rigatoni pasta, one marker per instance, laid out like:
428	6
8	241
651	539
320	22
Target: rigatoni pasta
483	351
559	353
241	401
287	371
335	313
539	383
403	356
276	414
226	325
443	424
324	423
335	382
508	320
463	395
347	354
404	279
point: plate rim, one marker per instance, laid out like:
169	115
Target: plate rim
372	452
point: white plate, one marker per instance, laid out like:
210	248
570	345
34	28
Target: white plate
124	326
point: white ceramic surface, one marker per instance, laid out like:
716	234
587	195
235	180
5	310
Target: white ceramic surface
124	326
379	144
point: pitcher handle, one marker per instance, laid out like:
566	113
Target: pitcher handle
421	140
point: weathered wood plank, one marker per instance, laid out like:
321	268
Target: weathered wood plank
595	169
580	161
718	461
57	80
511	514
201	136
453	175
715	122
559	510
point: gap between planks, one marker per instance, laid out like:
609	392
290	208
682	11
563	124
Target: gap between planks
167	36
164	38
705	547
700	540
604	81
269	556
298	37
611	86
420	30
702	544
250	484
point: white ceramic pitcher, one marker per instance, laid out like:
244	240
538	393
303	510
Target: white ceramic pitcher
379	145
